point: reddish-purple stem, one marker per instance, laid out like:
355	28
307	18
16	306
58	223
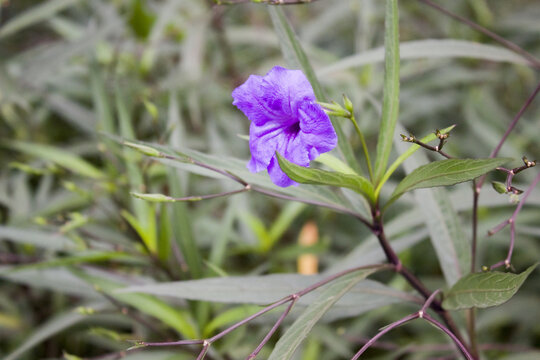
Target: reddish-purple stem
384	331
420	314
291	298
512	222
273	330
449	333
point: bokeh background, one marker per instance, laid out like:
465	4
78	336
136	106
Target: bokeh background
75	74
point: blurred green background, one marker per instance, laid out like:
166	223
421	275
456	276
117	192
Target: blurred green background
74	72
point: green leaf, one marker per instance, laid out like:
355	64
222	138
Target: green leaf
61	157
484	290
35	14
52	327
144	220
178	319
446	172
299	330
229	317
335	164
47	240
443	49
183	159
390	105
305	175
141	20
80	257
263	290
296	58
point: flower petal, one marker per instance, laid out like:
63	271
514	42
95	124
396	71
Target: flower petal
265	140
247	97
263	143
277	175
316	129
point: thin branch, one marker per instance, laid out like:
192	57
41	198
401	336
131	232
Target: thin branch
384	331
268	192
437	149
255	352
291	298
392	257
420	314
515	120
508	44
512	221
462	347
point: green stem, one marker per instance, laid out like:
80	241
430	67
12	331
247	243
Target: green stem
364	146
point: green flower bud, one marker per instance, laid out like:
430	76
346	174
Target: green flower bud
146	150
153	197
348	104
334	109
499	187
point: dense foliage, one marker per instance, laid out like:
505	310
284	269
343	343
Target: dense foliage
78	78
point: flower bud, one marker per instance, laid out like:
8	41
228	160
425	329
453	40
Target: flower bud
348	104
153	197
499	187
146	150
334	109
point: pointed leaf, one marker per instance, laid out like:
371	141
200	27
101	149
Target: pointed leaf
34	15
446	172
299	330
483	290
305	175
390	107
58	156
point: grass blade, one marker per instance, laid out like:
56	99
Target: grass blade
296	58
391	89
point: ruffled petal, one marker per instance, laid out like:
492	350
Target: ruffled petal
316	129
285	90
264	140
249	98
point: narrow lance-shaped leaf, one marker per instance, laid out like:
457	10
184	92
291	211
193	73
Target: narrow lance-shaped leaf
296	58
446	172
484	289
45	10
58	156
299	330
390	90
305	175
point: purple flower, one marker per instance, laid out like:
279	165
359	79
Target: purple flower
284	118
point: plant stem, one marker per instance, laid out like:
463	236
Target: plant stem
477	188
364	146
512	222
291	298
378	230
384	331
457	341
420	314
